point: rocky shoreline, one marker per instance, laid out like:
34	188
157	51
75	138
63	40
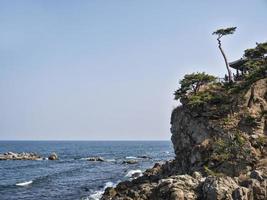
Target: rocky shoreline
161	183
218	156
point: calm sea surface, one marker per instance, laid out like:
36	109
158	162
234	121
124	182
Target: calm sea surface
73	177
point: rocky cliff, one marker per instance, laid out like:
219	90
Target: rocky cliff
203	140
220	147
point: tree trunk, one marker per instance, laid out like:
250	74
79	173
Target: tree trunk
251	98
225	60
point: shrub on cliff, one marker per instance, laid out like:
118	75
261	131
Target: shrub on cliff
191	84
233	151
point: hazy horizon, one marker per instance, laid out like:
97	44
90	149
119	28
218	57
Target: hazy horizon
95	70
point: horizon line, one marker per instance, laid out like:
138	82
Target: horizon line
58	140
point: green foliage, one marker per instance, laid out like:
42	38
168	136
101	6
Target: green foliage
248	120
226	120
207	97
231	150
224	31
256	57
258	52
255	64
191	83
254	75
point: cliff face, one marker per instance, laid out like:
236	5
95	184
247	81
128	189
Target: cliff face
190	137
194	134
221	152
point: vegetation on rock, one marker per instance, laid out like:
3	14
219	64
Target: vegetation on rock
191	84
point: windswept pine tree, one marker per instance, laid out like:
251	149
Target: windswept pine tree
220	33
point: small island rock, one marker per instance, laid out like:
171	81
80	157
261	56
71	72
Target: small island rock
19	156
53	156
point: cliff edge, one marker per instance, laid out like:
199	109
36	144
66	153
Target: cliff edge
219	135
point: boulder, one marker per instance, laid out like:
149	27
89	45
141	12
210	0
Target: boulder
53	156
242	193
256	174
218	188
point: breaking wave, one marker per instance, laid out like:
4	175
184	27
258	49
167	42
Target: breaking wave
24	183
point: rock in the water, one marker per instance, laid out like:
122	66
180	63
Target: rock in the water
53	156
130	162
144	157
95	159
19	156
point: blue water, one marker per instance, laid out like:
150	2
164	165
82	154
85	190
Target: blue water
71	177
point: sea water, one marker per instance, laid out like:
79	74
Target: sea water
72	176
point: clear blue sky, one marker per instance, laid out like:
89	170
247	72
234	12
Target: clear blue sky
102	70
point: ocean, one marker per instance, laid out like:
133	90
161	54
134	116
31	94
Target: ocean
72	177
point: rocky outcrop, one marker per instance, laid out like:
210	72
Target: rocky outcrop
220	155
53	156
191	139
20	156
26	156
190	187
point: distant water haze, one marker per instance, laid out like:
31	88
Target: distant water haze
92	70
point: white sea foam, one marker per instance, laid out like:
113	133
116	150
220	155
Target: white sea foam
98	194
83	158
24	183
131	157
111	160
132	172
